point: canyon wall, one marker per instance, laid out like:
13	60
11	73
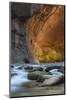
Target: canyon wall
45	34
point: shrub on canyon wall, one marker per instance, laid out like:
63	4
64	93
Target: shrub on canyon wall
48	55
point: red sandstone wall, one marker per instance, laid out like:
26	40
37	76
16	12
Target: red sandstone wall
46	29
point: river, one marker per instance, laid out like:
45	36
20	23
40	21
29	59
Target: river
18	76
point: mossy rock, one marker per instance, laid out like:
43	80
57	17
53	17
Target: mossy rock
37	75
40	73
32	76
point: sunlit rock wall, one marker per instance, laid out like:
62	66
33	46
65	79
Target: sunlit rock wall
45	34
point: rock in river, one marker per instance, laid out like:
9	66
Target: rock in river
37	75
52	80
32	69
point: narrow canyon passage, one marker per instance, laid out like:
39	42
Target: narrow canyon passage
39	37
37	49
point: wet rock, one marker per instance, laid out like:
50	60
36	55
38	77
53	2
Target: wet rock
39	69
32	69
28	68
20	67
50	68
41	73
61	70
37	75
40	79
52	81
55	72
12	66
33	76
13	74
30	84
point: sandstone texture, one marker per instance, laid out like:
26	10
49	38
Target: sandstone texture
45	34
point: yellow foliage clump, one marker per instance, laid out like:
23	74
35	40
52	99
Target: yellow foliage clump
48	55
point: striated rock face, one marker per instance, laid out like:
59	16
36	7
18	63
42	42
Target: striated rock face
45	34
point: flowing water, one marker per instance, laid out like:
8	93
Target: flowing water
19	75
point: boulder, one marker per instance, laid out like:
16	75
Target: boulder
28	68
32	76
39	69
32	69
51	68
52	80
37	75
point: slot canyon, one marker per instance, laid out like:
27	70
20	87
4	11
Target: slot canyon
39	31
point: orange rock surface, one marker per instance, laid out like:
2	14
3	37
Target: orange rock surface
45	32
